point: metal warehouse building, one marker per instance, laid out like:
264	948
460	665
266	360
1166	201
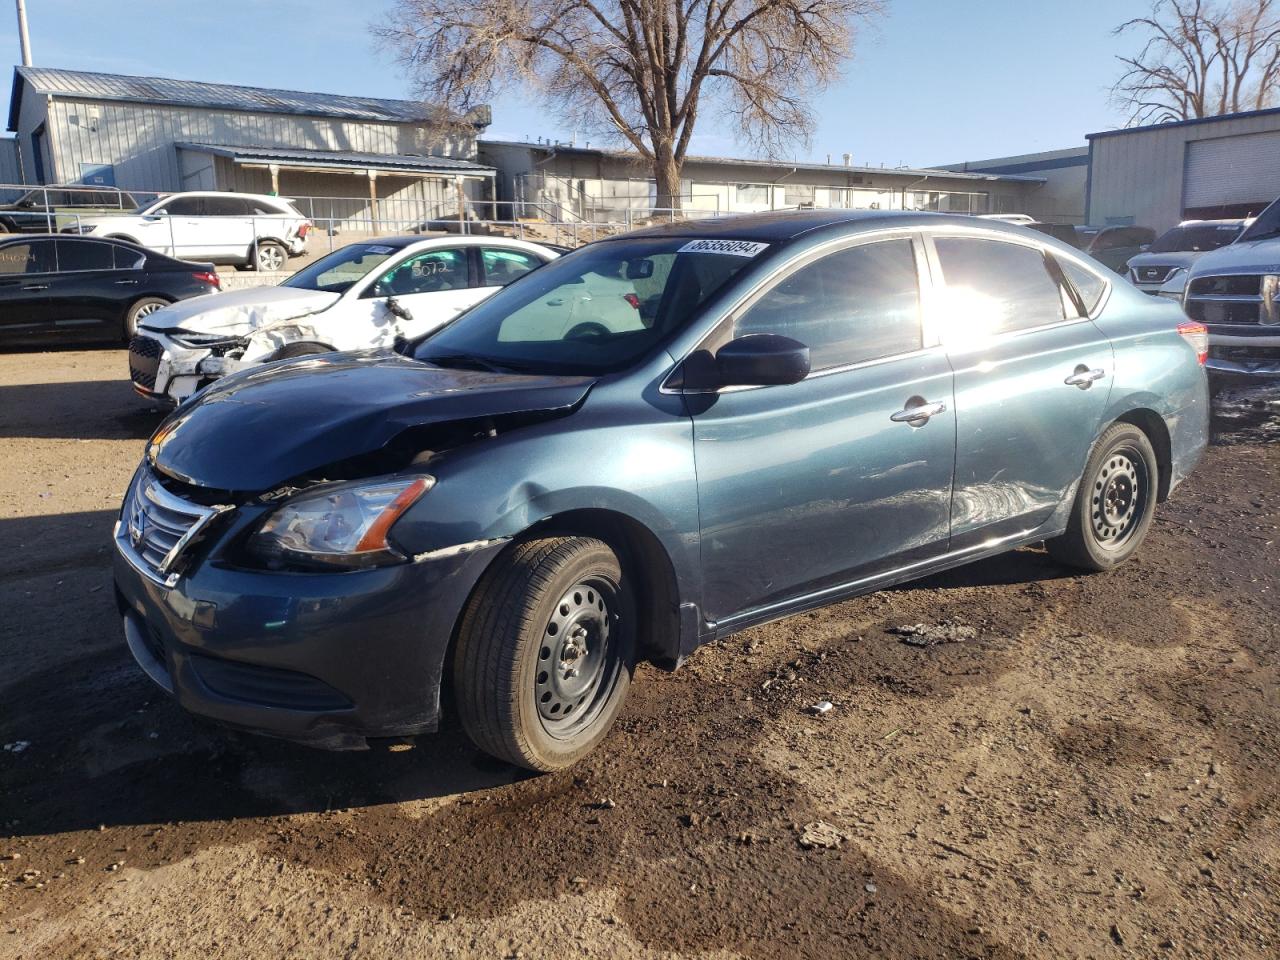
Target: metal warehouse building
559	181
156	134
1227	166
1065	173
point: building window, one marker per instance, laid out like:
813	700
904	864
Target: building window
798	194
756	194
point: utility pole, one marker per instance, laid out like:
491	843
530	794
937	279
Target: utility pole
23	38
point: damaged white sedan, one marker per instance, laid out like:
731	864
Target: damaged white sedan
363	296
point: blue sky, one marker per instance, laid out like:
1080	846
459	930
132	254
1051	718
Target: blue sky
937	81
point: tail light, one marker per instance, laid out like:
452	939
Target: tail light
1196	334
209	277
632	299
303	229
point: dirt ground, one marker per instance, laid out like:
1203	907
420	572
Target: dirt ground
1094	774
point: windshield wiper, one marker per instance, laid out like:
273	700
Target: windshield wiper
465	361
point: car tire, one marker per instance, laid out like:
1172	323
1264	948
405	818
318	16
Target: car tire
139	309
268	256
1115	503
290	350
545	652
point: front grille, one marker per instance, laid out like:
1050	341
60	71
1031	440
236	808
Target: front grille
1244	299
1223	311
1241	286
1152	274
144	361
156	526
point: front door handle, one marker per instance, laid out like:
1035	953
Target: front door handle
126	283
917	412
1083	377
36	286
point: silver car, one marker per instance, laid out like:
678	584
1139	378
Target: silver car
1177	249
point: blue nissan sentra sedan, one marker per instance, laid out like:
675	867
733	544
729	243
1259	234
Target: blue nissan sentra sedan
653	442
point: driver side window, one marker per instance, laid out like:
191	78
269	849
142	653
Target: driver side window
430	272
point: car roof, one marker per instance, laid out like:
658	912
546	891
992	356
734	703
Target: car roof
780	226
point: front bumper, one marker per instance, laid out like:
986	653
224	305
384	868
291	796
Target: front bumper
1247	352
162	369
328	659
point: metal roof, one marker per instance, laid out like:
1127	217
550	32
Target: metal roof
920	172
190	93
1194	121
342	160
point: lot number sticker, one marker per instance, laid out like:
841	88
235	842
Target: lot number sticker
733	248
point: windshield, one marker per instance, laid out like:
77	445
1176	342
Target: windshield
1196	237
1267	224
340	269
595	310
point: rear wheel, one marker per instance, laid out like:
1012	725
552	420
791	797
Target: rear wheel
545	652
139	309
1115	503
269	256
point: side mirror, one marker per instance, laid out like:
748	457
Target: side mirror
762	359
398	309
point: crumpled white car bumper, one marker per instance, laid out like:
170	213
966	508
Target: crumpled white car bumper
165	370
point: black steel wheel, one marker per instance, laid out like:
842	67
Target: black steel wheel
546	647
1114	504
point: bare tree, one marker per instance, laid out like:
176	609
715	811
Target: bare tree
641	71
1201	58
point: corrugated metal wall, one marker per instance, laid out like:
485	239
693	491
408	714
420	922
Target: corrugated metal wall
10	168
1137	176
138	139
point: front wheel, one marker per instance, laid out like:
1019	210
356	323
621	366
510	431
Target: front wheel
1115	503
545	652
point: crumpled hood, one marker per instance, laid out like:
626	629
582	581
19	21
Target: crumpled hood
237	312
255	430
1255	256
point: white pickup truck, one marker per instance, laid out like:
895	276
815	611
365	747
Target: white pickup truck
1235	292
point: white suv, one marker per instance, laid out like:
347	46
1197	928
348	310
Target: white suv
250	230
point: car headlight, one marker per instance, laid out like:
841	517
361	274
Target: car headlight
339	524
1174	286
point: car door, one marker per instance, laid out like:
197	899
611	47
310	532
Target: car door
27	268
1032	375
88	296
226	227
434	286
806	487
181	230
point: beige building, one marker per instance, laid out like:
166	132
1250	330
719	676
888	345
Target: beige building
1065	174
558	181
1227	166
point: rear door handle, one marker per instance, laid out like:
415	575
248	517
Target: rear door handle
918	415
126	283
36	286
1084	377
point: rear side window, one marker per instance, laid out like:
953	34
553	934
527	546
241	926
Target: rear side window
503	266
857	304
1088	284
261	208
225	207
85	255
127	258
35	256
996	287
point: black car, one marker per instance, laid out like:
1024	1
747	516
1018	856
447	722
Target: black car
47	209
64	288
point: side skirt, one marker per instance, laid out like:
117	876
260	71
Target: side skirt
855	588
